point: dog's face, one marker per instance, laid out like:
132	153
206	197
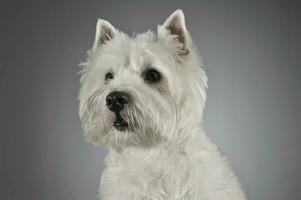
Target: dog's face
144	89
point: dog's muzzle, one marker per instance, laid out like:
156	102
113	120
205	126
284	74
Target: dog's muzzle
116	102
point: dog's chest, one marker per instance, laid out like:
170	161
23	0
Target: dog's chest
160	173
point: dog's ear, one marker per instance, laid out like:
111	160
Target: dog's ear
175	24
105	32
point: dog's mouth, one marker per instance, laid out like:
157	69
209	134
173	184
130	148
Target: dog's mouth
120	124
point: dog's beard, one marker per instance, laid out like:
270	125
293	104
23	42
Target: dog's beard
143	122
133	126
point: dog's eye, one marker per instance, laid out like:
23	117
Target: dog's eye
109	76
152	75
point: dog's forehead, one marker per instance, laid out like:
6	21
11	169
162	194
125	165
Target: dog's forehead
132	52
140	47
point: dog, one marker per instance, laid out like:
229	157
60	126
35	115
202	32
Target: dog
143	96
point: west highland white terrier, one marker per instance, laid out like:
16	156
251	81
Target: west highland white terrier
143	98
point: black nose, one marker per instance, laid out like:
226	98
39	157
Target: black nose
116	100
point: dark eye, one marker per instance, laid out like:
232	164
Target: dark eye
109	76
152	75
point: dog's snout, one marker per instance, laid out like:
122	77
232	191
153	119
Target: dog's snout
116	100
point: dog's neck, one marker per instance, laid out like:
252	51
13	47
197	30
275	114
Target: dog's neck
184	145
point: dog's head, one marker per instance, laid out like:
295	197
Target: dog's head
144	89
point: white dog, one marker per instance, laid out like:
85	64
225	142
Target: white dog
143	98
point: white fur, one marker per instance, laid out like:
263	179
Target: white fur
166	155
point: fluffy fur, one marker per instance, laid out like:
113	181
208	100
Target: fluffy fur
165	153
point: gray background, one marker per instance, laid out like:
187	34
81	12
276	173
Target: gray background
253	112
